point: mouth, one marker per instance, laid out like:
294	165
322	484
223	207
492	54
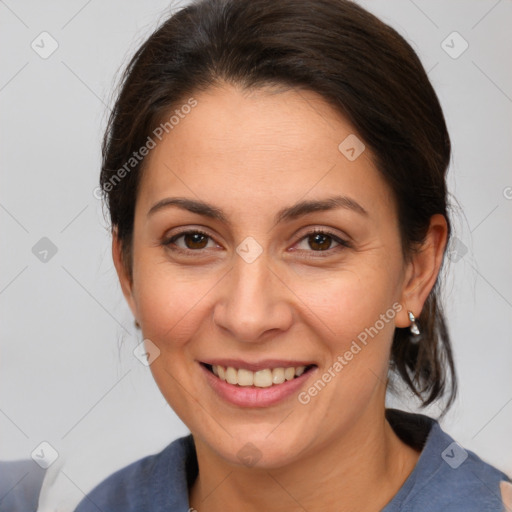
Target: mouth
263	378
256	385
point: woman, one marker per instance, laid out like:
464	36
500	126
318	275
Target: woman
275	174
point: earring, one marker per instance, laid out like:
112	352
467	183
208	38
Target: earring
137	325
414	326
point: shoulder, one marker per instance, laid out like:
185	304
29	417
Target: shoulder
472	486
451	478
145	484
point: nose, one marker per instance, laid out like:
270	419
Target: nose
254	301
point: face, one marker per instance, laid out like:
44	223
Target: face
283	253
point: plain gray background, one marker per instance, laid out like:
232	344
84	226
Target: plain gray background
67	371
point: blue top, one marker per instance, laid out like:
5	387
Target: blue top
446	477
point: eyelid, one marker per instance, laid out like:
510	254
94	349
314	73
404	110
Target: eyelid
332	232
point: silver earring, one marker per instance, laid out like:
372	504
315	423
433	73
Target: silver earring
414	326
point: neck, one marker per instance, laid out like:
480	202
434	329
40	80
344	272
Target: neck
361	470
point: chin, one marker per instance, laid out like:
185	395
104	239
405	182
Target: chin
256	448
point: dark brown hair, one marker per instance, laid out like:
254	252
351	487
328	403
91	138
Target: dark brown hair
362	67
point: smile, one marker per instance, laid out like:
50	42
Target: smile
261	379
266	384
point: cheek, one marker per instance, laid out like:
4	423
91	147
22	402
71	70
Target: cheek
172	307
355	319
171	304
350	304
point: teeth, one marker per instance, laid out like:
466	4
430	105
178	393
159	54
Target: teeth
289	373
245	377
299	370
261	379
231	375
278	376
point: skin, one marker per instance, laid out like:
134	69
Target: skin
506	495
251	154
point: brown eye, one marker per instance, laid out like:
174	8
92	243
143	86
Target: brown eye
319	241
195	240
188	240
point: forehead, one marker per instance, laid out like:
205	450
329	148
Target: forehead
260	145
231	123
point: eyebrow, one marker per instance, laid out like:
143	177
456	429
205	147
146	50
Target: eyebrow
289	213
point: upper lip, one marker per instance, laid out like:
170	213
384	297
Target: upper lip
257	365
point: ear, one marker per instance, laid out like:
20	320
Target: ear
123	273
422	270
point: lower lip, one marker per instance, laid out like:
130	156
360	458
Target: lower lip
247	396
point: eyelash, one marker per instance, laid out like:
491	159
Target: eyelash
170	242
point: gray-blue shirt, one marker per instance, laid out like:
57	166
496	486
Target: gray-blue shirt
446	477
